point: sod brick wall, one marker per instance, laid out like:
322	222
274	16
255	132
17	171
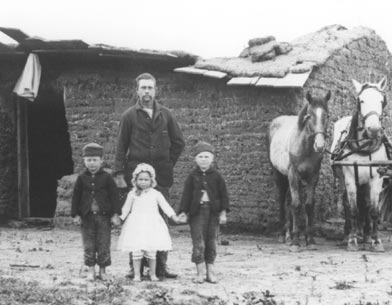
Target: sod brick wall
234	120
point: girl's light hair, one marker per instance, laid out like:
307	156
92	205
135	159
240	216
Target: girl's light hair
144	168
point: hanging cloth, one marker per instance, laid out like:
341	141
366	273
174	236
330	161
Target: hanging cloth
28	83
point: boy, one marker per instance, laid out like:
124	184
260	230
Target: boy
205	203
95	204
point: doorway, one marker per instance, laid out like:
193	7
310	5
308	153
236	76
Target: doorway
49	149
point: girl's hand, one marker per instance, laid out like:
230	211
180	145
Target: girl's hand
175	219
182	218
222	218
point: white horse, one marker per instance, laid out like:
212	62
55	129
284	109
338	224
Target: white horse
359	138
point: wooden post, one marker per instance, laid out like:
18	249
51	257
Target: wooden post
22	159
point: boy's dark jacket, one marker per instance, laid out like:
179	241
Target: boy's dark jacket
100	187
210	180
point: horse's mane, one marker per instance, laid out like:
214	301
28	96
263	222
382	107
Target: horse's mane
352	132
301	116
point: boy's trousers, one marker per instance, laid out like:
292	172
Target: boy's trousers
96	239
204	233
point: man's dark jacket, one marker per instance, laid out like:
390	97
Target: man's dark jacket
211	181
100	187
157	141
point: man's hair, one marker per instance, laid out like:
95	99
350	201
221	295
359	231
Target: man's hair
145	76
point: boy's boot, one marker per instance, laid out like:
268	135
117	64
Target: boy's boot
162	270
199	277
210	274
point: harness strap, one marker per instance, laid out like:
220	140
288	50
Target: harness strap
355	164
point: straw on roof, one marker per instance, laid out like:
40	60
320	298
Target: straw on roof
308	51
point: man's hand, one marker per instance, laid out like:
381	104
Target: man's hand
116	220
222	218
77	220
120	181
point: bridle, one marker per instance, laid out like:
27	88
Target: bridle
370	113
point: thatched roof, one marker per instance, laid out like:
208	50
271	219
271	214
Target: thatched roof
307	51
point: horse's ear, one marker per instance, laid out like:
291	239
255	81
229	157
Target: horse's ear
357	86
382	84
309	97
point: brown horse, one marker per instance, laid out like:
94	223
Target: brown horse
296	146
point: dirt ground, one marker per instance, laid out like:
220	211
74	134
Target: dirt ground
41	265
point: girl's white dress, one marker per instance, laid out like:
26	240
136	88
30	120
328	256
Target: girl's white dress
144	228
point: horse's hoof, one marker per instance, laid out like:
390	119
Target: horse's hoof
342	243
294	248
367	240
377	248
367	247
352	247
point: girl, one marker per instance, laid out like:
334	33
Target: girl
144	231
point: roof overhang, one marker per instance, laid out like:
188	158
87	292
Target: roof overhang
74	50
290	80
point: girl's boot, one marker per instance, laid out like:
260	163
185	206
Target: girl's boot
91	273
137	264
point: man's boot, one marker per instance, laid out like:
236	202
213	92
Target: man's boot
162	270
131	273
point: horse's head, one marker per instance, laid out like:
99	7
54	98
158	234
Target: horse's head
371	100
314	116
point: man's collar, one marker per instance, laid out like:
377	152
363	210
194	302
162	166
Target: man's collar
155	106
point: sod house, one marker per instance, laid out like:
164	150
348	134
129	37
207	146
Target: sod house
83	90
226	101
269	79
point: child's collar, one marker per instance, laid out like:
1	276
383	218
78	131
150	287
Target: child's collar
139	191
98	172
204	171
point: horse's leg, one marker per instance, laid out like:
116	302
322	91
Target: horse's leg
375	190
309	207
289	218
363	203
295	207
352	217
347	222
282	184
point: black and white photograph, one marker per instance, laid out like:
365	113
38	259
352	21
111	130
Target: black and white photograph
196	152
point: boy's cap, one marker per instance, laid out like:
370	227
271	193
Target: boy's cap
203	146
92	150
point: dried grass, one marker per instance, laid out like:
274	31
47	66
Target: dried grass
310	50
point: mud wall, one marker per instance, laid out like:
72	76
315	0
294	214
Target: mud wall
234	120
